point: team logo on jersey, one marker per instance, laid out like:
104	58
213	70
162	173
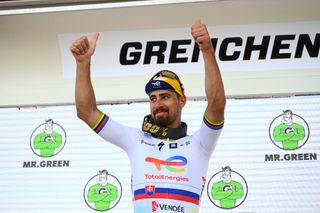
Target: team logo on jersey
155	206
150	189
173	145
160	145
172	164
146	143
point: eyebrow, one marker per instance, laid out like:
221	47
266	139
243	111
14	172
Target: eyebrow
161	94
165	93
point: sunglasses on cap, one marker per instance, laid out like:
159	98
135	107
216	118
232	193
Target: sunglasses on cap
168	74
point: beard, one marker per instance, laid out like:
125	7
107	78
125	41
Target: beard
163	120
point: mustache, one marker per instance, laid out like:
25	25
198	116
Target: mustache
161	109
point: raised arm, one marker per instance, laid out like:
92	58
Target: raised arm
82	50
213	82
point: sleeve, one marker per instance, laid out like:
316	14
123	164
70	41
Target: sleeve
117	134
209	134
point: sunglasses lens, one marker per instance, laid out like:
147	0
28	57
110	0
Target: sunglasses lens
169	74
165	73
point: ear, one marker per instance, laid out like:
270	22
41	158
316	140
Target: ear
182	101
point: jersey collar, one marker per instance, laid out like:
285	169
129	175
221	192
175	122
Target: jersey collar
156	131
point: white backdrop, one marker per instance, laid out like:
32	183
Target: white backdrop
31	183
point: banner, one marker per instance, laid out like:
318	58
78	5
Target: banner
254	47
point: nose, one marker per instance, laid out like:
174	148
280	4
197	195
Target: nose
158	103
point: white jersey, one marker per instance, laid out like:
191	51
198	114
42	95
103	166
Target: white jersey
167	175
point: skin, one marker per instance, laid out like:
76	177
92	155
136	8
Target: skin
166	107
83	49
213	82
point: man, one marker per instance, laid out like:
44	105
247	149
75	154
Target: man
169	167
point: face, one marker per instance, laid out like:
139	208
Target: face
165	108
287	118
48	128
102	180
226	176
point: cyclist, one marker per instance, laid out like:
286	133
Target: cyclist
168	166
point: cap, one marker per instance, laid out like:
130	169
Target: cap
167	80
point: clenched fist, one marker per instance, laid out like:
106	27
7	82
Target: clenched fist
201	35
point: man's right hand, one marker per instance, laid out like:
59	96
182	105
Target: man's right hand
82	49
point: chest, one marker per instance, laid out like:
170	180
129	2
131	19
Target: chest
166	157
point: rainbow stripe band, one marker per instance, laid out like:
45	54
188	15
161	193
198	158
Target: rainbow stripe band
100	122
167	193
213	125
